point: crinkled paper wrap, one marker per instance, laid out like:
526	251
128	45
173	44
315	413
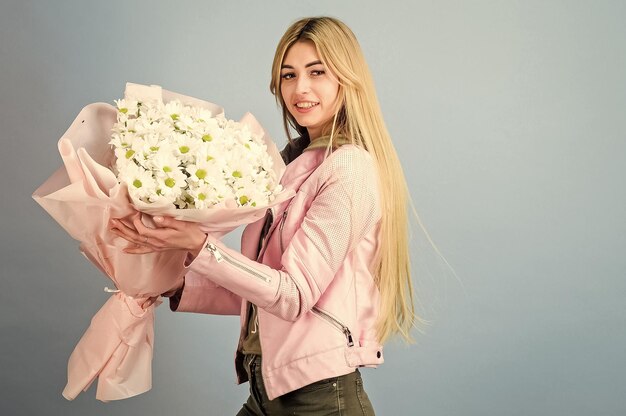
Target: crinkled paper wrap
82	196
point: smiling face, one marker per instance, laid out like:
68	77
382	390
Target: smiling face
308	88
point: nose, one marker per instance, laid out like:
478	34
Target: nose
303	85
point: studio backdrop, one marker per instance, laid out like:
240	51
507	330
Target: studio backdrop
508	118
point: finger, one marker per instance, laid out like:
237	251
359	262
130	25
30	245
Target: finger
127	220
139	249
126	233
138	240
142	229
127	223
133	242
156	238
168	222
124	225
149	302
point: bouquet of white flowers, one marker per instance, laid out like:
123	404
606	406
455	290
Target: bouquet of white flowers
172	153
159	153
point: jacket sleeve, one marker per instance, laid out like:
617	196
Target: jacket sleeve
344	209
202	295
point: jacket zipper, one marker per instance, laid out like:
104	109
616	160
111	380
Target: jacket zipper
219	257
335	323
280	230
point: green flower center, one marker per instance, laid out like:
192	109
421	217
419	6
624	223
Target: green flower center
243	200
207	138
201	197
129	154
201	173
169	182
167	169
137	183
237	174
184	149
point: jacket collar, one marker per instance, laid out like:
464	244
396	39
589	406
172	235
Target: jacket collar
322	142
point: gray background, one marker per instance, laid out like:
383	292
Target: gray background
509	119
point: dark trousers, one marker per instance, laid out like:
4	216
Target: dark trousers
342	395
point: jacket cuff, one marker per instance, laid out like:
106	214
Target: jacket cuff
253	281
191	257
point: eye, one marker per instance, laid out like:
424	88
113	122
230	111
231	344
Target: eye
317	72
288	75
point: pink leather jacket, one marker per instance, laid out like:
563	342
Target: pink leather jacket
312	279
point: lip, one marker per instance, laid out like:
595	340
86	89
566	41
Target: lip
305	110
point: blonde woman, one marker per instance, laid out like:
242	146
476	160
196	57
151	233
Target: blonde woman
324	280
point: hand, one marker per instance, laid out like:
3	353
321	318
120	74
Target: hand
170	234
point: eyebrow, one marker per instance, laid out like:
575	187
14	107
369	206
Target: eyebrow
306	66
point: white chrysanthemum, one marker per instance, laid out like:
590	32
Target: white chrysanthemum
184	147
173	109
206	168
140	182
126	107
200	113
172	185
153	111
164	161
185	156
204	196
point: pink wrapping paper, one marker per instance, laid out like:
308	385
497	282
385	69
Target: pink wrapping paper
82	196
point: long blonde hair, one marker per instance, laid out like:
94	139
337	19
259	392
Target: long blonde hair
360	119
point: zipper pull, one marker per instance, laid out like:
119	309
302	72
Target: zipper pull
349	336
213	249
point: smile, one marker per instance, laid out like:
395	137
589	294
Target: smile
306	104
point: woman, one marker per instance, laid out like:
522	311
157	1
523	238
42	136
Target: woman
324	279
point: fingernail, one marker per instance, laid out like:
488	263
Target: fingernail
158	219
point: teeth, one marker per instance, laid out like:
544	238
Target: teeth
306	105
